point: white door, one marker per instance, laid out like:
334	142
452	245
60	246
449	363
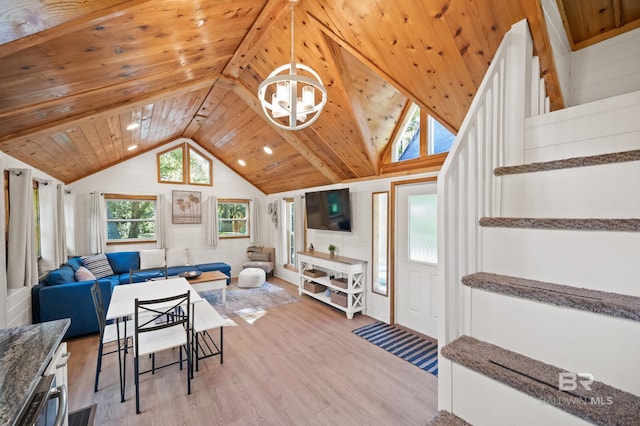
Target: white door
416	258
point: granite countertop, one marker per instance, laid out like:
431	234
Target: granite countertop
24	354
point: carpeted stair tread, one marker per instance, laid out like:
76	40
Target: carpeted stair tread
445	418
579	224
593	160
600	302
603	404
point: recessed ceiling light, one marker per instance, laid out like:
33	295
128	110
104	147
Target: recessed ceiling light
132	147
133	126
268	150
242	163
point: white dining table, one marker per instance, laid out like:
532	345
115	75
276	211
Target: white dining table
122	306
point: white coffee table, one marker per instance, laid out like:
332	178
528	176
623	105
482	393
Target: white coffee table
210	280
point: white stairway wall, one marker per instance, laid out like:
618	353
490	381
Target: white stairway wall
139	176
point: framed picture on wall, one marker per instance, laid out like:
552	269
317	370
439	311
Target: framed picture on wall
186	207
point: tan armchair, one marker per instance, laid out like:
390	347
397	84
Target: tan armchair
261	257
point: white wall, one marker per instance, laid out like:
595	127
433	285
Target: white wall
138	176
606	69
17	303
357	243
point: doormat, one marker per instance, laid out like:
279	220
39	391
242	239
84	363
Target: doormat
83	416
411	347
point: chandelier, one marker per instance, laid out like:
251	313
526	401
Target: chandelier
293	95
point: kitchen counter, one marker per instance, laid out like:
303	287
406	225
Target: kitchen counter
25	353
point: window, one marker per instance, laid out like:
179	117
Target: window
130	218
407	144
423	228
380	246
233	218
173	163
290	229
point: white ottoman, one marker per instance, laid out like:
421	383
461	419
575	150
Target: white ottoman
251	277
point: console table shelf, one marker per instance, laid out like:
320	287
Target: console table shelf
352	270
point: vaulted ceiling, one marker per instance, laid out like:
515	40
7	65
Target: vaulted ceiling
75	74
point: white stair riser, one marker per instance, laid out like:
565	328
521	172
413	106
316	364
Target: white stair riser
481	400
578	341
583	192
597	260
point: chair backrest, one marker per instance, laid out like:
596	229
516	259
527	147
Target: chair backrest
96	295
157	314
137	275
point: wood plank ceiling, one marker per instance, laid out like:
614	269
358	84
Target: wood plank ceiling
74	74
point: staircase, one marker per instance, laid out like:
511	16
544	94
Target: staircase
541	282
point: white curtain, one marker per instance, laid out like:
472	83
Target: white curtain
281	233
70	221
253	220
22	269
61	227
48	225
299	211
3	266
161	221
211	221
98	225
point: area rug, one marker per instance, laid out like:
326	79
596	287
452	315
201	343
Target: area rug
411	347
83	416
248	302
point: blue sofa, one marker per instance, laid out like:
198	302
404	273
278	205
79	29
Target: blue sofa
59	295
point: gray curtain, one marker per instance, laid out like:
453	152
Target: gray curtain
3	266
69	206
281	232
254	231
161	221
98	231
61	227
22	268
211	221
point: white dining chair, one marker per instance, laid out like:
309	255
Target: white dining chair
159	325
205	319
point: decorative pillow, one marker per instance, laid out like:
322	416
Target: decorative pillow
74	262
153	258
260	257
122	261
253	249
62	275
83	274
177	257
98	265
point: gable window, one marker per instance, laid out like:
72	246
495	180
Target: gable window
416	127
130	218
233	218
184	164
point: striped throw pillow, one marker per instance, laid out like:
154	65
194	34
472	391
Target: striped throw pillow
98	265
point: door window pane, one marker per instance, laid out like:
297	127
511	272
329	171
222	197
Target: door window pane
423	230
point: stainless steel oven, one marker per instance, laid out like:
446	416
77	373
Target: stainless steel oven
48	404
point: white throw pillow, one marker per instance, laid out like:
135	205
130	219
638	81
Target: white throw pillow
153	258
177	257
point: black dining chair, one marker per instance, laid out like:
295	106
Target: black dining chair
161	324
108	332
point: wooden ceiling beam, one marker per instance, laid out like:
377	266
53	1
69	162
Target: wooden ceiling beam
128	104
338	68
382	73
272	12
93	18
252	101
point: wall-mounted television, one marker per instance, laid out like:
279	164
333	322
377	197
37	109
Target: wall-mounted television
329	210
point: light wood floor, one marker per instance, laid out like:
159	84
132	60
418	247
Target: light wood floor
297	365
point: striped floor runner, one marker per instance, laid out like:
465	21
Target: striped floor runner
402	343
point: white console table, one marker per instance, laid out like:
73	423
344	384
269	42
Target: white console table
351	271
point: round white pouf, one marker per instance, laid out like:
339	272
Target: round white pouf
251	277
